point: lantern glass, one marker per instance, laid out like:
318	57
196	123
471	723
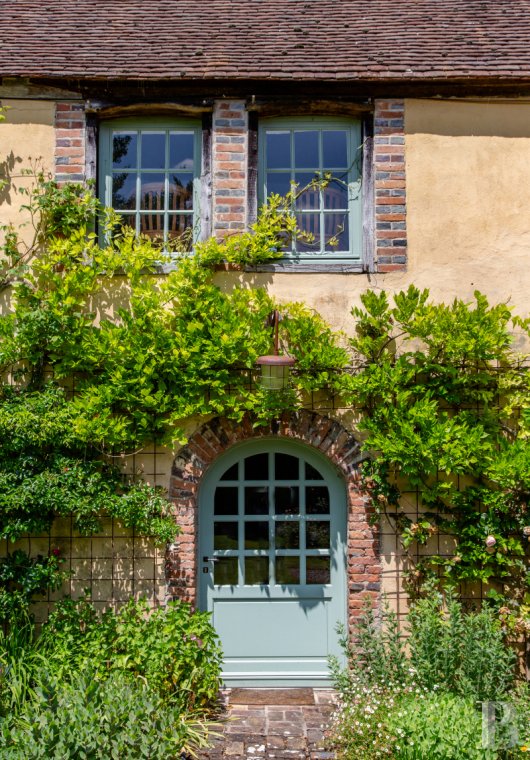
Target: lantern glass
275	377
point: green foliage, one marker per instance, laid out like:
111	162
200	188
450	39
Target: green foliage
22	578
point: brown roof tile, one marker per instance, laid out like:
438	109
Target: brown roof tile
266	39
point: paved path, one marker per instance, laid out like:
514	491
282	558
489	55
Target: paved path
273	730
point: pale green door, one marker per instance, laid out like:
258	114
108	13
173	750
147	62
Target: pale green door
272	562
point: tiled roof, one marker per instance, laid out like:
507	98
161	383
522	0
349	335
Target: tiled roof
266	39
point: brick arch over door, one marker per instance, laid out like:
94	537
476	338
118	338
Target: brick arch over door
322	433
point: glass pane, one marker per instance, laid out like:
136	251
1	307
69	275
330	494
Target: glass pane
317	570
180	226
152	192
288	534
278	150
311	473
152	225
128	220
286	500
317	534
231	473
309	224
310	198
225	572
337	232
180	192
257	467
278	183
256	570
124	150
257	535
285	467
153	153
123	190
181	150
306	150
256	500
335	149
287	570
225	501
225	535
336	195
317	500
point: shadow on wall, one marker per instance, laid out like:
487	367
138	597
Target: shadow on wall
7	167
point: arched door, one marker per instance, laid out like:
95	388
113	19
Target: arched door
272	562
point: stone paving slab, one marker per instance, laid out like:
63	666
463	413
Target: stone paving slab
273	731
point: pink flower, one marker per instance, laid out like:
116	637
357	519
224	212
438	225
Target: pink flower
491	541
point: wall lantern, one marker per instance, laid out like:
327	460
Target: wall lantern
275	368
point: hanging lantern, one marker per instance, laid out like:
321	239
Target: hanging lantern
275	368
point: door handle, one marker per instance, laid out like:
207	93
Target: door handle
210	559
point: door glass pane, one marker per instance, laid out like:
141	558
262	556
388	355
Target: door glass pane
287	570
231	473
225	535
317	534
311	473
153	153
288	534
317	500
286	467
124	150
286	500
317	570
256	500
225	501
306	150
335	149
123	190
257	467
278	150
181	151
256	570
257	535
225	572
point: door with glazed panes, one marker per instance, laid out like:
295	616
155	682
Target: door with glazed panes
272	562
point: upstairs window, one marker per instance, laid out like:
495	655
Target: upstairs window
300	150
149	174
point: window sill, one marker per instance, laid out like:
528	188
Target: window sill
293	267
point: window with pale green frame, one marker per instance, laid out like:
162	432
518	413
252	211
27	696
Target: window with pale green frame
297	151
150	175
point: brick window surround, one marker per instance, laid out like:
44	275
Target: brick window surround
324	434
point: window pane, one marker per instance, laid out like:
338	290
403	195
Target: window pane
278	150
317	500
123	190
257	535
286	500
257	467
124	150
225	572
225	501
306	150
334	148
180	192
152	225
288	534
310	198
279	183
317	534
256	570
180	226
336	195
311	473
181	151
128	220
257	500
337	232
285	467
317	570
288	570
231	473
309	224
153	153
152	192
225	535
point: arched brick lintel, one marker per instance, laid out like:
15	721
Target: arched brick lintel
322	433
